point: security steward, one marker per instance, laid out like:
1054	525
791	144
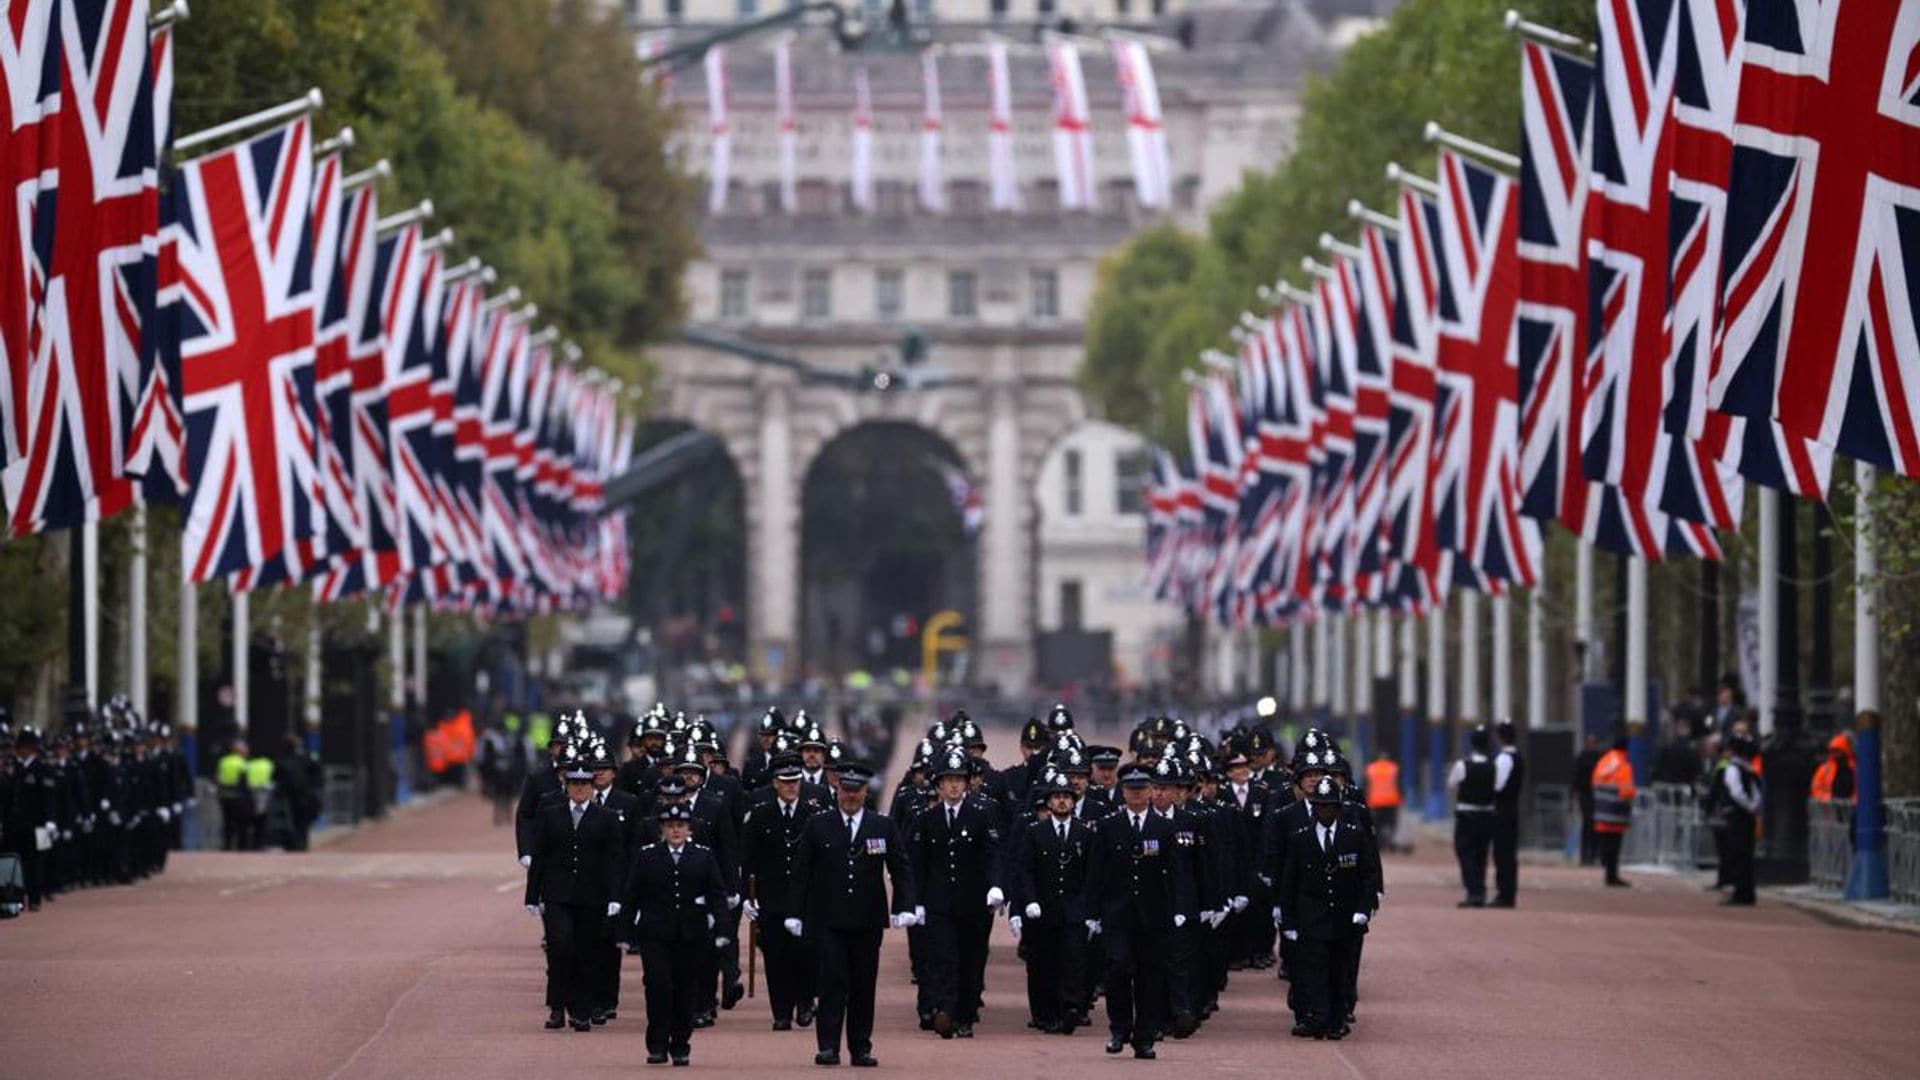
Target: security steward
955	854
1509	775
1138	890
841	868
767	845
1326	897
1472	781
674	891
577	862
1046	883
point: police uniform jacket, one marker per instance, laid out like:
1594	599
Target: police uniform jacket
540	782
637	776
625	807
584	865
1320	891
732	794
34	799
671	901
909	799
768	843
1045	870
1094	805
1137	881
839	881
955	864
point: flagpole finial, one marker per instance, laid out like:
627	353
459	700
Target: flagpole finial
1192	378
1431	132
167	16
1510	21
368	175
342	140
1237	333
438	240
1251	321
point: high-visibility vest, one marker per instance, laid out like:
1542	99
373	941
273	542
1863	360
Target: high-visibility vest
460	738
433	746
260	773
231	772
1613	793
1383	784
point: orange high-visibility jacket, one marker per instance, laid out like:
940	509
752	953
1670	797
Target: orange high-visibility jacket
1613	793
1383	784
433	747
460	740
1829	770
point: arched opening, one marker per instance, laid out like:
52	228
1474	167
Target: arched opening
886	544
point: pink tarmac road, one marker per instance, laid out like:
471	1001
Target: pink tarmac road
403	951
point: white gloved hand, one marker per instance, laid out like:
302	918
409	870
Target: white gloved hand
900	921
753	910
176	809
193	802
1033	911
1013	923
1276	915
719	943
613	908
733	901
113	818
919	915
1211	919
1093	927
105	805
996	898
1239	903
1360	918
1292	935
526	861
66	834
166	814
794	927
536	910
709	922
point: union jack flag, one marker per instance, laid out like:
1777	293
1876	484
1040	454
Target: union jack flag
1821	292
1377	274
156	443
1477	452
243	305
84	378
1411	498
502	394
29	94
338	258
1333	318
408	294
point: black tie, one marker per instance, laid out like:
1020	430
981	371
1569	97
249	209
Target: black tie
849	824
1063	833
953	815
1139	823
786	809
676	856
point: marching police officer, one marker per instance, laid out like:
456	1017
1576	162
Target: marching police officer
626	809
577	861
1047	872
29	816
838	901
767	847
675	893
1138	890
955	854
1326	895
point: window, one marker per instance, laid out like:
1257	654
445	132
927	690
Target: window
813	198
1044	197
1070	464
816	294
891	198
967	197
1043	292
733	295
1070	605
1130	481
888	290
675	8
746	9
960	294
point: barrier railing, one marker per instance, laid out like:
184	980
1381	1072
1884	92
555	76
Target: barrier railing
340	795
1903	849
1668	829
1549	818
1829	843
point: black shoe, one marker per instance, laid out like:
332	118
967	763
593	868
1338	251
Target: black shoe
682	1059
732	995
1143	1052
583	1025
1619	883
1236	965
1507	903
826	1057
1116	1044
1183	1025
704	1020
1471	902
926	1021
783	1025
599	1016
1304	1030
1338	1033
803	1016
1350	1021
864	1061
943	1025
657	1059
1735	901
1715	887
963	1031
556	1020
613	1014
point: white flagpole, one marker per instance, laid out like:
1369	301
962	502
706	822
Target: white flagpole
1583	608
1297	689
1502	659
186	703
1536	658
242	630
1321	698
1866	598
312	687
137	613
1636	710
420	658
1362	670
1470	703
90	607
1437	748
1769	586
1337	660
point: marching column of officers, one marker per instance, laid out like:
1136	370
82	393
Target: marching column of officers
98	803
1145	883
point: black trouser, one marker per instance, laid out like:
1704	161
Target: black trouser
1182	947
1386	825
1589	840
1353	971
849	965
236	813
956	947
728	925
789	966
1738	857
917	963
1720	877
1506	853
1320	971
603	967
1054	977
1472	834
32	864
1609	844
574	933
1210	976
671	971
1136	982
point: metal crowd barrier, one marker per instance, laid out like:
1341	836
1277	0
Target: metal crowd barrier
1668	829
1903	849
206	815
1829	843
1550	817
340	795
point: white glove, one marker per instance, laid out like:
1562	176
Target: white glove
709	922
897	922
613	908
1211	918
1033	911
753	910
1013	923
1239	903
794	927
166	814
1276	915
114	818
105	805
919	915
1179	921
66	834
1360	918
536	910
1093	927
1292	935
996	898
733	901
719	943
526	861
176	808
193	802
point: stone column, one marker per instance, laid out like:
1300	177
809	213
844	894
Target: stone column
773	541
1005	638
